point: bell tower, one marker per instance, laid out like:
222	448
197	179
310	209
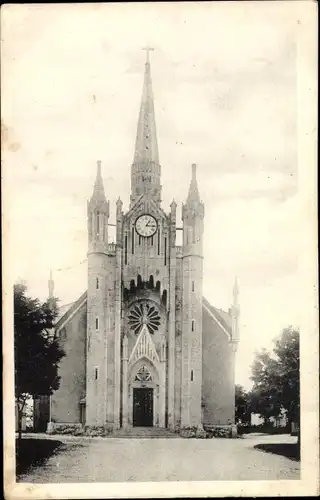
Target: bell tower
192	277
97	304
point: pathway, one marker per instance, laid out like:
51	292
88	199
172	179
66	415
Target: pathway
121	459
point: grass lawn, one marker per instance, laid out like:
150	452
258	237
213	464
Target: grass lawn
33	452
289	450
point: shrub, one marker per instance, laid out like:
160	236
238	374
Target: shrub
193	432
66	429
218	431
263	428
78	432
96	430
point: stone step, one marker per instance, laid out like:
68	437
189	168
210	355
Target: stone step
144	433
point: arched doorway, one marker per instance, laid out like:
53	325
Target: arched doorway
143	395
144	382
143	398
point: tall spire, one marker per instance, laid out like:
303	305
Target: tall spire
145	172
146	141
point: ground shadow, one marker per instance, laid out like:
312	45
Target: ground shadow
289	450
30	452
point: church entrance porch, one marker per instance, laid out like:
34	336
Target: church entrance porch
143	395
142	407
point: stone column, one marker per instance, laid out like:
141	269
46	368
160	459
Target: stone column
162	384
172	317
117	340
125	382
185	345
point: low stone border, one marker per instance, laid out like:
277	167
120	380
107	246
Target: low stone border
208	432
78	430
221	431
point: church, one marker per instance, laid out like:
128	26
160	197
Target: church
143	347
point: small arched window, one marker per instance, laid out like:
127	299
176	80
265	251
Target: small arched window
193	286
90	224
126	249
193	325
191	376
98	223
132	241
97	283
97	323
165	251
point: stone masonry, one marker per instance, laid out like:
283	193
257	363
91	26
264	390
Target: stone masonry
143	347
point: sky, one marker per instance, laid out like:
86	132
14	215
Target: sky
225	88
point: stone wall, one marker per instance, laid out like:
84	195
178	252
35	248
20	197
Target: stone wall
177	381
65	404
100	338
218	374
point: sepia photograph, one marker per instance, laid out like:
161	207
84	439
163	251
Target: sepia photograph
160	249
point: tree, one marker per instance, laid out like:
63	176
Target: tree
243	412
276	378
36	349
287	352
265	397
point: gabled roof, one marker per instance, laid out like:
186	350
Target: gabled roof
144	347
221	317
155	208
65	312
62	310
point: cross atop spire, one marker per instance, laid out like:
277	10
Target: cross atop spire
148	49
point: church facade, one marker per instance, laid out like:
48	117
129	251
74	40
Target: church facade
143	346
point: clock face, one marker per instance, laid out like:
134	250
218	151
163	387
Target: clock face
146	225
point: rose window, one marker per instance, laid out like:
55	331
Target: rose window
144	314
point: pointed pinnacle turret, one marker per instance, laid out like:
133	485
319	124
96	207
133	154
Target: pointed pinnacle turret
98	214
193	203
235	313
98	190
235	292
193	195
50	285
173	205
